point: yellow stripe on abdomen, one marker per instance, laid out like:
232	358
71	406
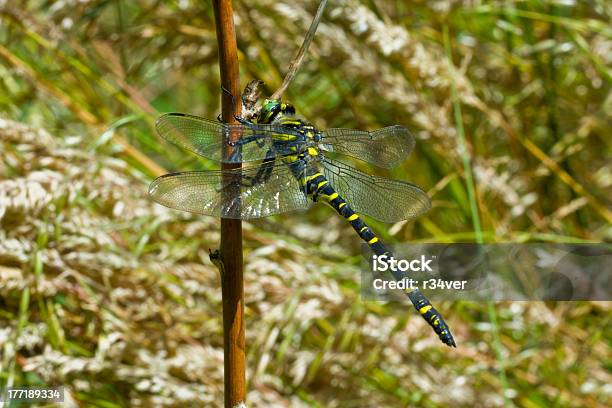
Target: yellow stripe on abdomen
425	309
314	176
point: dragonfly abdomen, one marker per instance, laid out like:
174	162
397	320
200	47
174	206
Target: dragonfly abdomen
319	188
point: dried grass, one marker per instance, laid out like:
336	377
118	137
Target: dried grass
114	297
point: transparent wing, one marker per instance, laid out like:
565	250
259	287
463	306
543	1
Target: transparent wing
385	147
208	137
206	192
381	198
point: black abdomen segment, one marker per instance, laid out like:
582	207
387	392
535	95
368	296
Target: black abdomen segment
319	189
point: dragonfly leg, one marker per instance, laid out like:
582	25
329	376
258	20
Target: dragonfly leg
245	122
235	156
226	91
263	173
244	140
239	119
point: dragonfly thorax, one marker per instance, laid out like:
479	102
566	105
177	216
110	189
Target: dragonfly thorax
303	136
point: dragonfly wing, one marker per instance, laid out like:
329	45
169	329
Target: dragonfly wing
209	138
381	198
385	147
209	192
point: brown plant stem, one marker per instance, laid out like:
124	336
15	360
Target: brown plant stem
231	230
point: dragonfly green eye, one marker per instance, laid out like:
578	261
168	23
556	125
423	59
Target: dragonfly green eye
271	108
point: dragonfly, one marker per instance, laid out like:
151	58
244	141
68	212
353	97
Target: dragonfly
287	168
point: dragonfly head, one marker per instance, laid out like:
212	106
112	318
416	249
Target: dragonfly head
271	108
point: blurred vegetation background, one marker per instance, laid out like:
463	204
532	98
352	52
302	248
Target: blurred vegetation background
114	297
